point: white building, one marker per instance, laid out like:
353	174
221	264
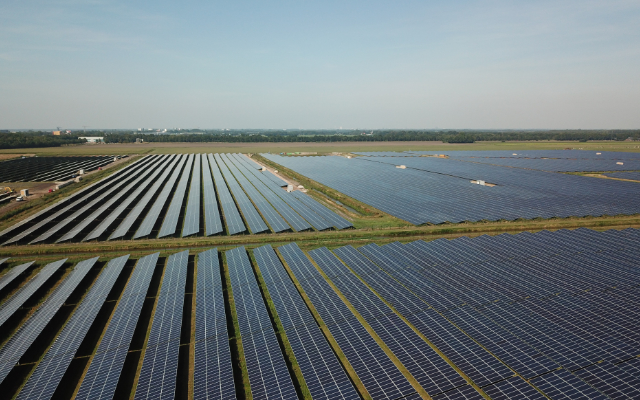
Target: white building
93	139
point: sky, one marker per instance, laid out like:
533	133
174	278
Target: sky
561	64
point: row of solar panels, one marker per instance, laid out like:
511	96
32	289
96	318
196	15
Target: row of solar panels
542	160
517	316
161	196
434	190
48	169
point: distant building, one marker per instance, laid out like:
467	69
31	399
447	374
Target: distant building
93	139
56	133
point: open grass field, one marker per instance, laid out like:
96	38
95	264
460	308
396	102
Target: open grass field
172	148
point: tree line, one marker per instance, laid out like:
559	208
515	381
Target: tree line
11	140
24	140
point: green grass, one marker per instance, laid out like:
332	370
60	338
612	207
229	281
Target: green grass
214	147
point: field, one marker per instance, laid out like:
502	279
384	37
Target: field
172	148
434	305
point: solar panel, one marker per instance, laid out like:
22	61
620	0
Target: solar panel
154	213
213	376
334	219
170	223
268	373
192	215
125	203
167	318
270	215
29	226
213	222
3	260
561	384
229	210
137	210
463	393
249	212
20	342
13	273
512	388
437	190
104	201
379	375
27	290
49	372
211	319
611	380
257	186
314	219
157	378
320	368
103	374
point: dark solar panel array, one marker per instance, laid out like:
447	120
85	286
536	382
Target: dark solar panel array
633	175
140	206
28	227
379	375
320	367
437	190
102	377
230	212
136	198
27	290
154	213
124	203
268	188
97	204
13	273
213	374
27	333
170	223
192	214
268	373
48	374
160	365
249	212
268	212
285	209
212	220
430	370
48	169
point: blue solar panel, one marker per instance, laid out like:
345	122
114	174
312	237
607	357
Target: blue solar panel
227	204
123	204
27	290
436	190
320	368
271	195
103	203
192	214
154	213
562	384
102	377
377	372
170	223
269	213
212	220
213	376
512	388
268	373
249	212
18	344
49	372
13	273
137	210
28	226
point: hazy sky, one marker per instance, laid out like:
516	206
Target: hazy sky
320	64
